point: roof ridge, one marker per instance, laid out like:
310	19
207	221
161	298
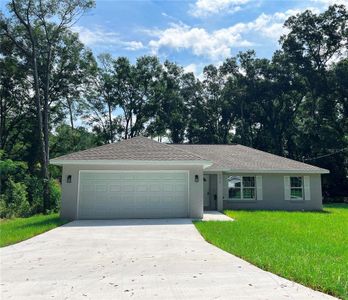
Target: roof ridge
187	144
170	146
185	151
85	150
102	146
143	146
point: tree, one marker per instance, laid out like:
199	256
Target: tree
14	94
147	72
313	43
75	70
191	91
35	28
101	101
65	140
168	105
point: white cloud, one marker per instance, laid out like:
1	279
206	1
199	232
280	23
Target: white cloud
270	25
215	45
218	44
331	2
191	68
196	69
203	8
132	45
100	36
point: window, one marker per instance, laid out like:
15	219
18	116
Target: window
234	187
296	188
241	187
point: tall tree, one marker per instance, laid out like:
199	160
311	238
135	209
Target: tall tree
102	100
35	28
313	43
14	111
75	70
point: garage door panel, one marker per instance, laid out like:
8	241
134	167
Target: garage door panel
127	188
155	188
133	195
115	188
168	187
141	188
180	187
101	188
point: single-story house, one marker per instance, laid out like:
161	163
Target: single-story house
142	178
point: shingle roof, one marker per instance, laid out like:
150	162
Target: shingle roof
238	157
138	148
222	157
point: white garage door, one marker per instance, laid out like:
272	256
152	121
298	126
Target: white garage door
113	195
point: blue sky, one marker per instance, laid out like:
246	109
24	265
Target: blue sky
192	33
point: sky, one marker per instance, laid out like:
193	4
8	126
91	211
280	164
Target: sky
192	33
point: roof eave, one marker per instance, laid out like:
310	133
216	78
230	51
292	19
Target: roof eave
62	162
271	171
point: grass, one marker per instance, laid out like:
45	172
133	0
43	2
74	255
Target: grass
310	248
15	230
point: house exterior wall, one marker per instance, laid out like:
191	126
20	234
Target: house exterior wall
70	190
273	194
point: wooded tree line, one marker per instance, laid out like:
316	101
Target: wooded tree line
56	98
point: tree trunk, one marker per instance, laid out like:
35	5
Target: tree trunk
46	188
111	131
131	125
43	155
71	116
243	124
2	123
127	126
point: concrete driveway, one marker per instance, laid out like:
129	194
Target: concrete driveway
134	259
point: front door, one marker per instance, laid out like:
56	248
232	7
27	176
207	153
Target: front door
206	189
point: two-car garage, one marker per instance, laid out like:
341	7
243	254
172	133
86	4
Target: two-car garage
133	178
132	194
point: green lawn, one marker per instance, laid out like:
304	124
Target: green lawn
15	230
310	248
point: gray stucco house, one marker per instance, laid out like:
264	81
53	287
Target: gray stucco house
142	178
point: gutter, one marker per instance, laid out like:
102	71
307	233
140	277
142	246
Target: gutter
62	162
271	171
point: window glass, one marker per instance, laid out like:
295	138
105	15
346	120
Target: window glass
296	181
248	181
241	187
234	187
296	193
249	193
296	188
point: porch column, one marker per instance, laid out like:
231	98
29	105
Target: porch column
220	191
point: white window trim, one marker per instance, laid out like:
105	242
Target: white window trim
241	190
302	188
259	187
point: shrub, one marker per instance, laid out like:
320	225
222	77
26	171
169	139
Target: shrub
14	203
3	207
55	194
21	194
16	169
35	187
